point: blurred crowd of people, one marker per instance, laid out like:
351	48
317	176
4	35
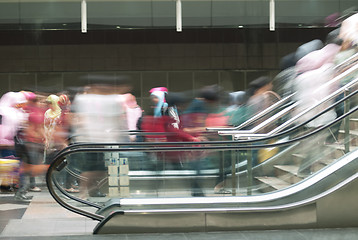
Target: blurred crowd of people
35	126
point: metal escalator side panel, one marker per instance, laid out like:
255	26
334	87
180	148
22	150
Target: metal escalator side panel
339	202
121	222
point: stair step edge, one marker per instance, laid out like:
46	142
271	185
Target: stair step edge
274	182
288	168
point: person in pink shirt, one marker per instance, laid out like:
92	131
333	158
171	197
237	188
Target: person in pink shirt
11	119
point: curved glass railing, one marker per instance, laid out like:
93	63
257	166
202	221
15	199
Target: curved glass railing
109	173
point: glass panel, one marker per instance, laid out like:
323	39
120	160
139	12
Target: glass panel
279	167
131	171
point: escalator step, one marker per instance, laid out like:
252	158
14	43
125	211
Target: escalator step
299	155
273	182
336	146
327	161
288	168
351	132
288	173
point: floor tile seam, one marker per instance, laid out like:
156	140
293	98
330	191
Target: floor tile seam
51	229
242	234
186	238
47	220
48	235
10	209
301	234
245	237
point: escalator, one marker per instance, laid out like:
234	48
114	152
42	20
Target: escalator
304	180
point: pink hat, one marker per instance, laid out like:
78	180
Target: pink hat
159	89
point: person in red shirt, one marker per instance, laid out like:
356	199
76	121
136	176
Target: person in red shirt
33	147
169	126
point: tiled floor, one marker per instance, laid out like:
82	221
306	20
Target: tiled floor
9	209
43	219
317	234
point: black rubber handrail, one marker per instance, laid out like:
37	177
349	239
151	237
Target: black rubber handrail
76	198
201	148
66	205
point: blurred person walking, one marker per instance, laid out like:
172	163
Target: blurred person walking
12	118
35	114
99	116
30	147
134	113
166	120
205	111
55	129
261	97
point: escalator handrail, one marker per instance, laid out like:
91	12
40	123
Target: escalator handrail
325	100
348	61
284	100
61	156
66	205
201	148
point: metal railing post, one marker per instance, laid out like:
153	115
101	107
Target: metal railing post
249	172
346	124
222	167
233	171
